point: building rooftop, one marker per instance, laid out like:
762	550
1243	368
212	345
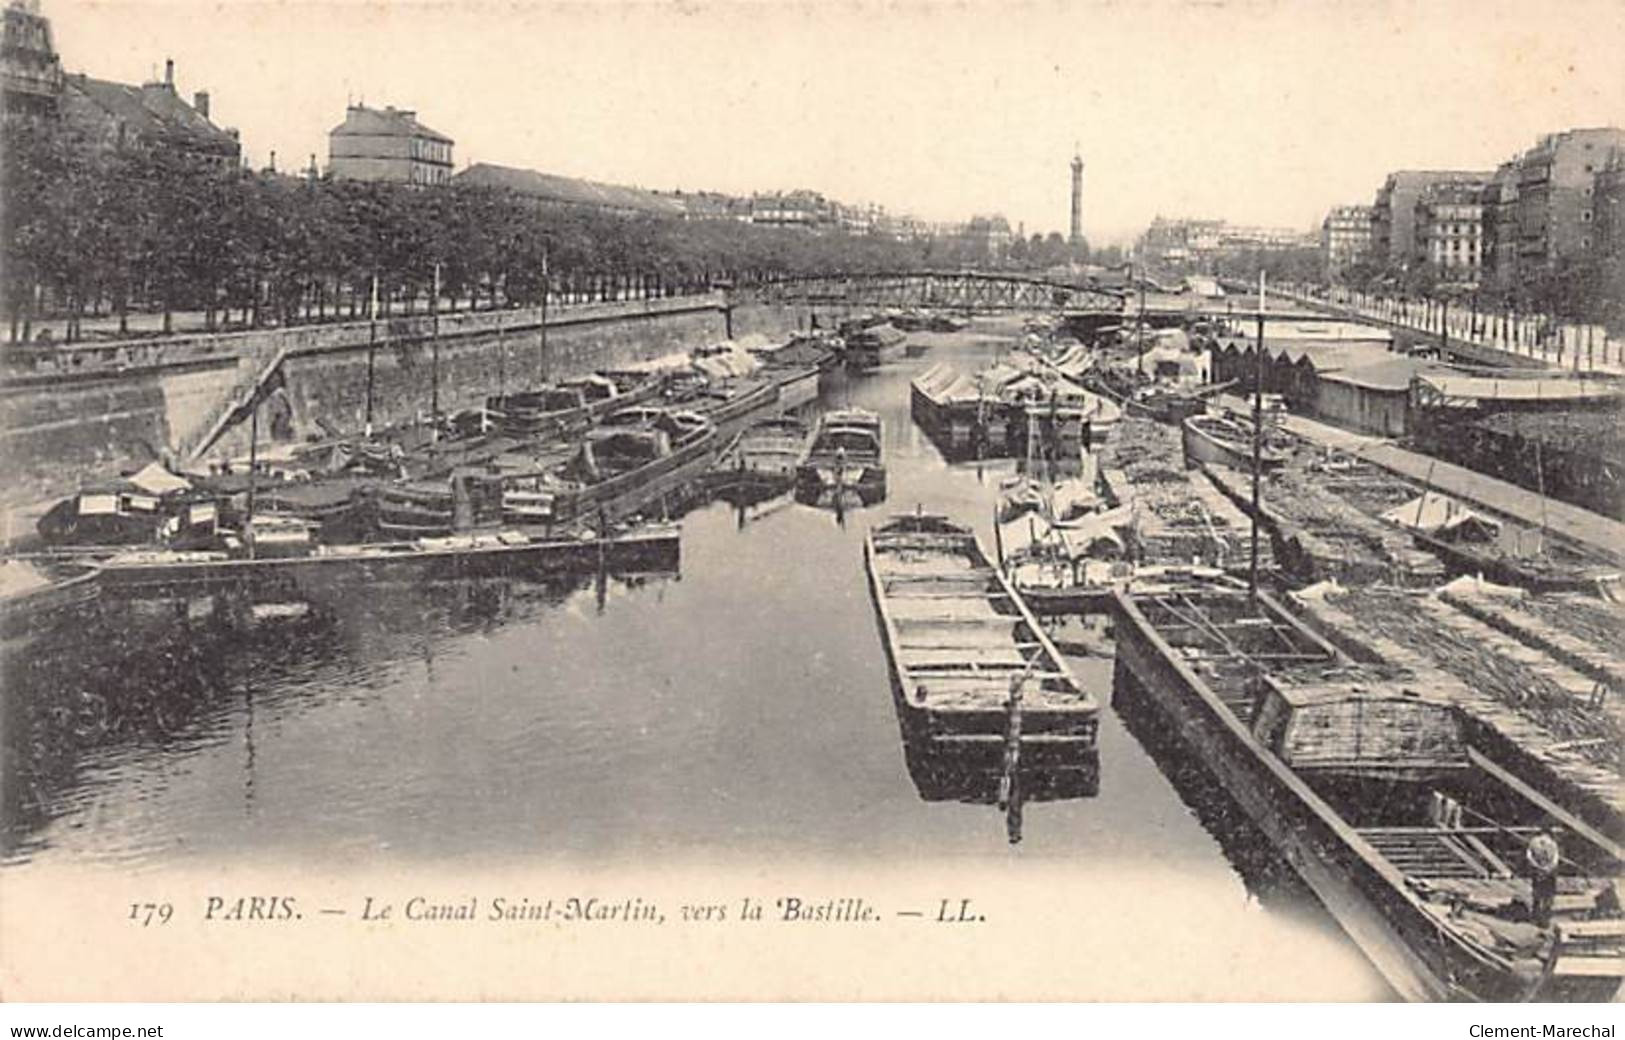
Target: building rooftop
568	190
359	120
1391	373
1452	193
154	110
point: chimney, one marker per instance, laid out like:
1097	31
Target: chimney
200	101
169	73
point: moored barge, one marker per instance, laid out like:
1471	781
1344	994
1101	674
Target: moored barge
568	407
1226	441
486	553
1413	838
846	454
973	674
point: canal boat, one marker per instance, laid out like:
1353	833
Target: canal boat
735	401
1556	568
1226	441
768	452
868	348
430	509
38	592
928	321
568	406
959	413
1009	410
145	507
801	366
491	552
1166	404
845	454
1381	798
633	458
974	676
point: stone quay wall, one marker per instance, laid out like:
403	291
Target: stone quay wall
75	413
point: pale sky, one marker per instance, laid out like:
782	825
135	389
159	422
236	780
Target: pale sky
1254	112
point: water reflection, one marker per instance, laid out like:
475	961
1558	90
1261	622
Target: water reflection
840	501
1268	876
165	672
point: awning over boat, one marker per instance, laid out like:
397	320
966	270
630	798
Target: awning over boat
1093	536
800	352
730	362
154	479
1435	513
947	385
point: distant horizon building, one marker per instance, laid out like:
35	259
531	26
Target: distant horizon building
549	189
792	209
1184	245
986	238
1345	237
1449	227
388	144
1393	214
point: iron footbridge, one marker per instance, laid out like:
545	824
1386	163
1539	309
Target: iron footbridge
952	290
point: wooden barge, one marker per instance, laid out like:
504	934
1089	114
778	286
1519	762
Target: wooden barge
37	593
974	677
1411	836
634	457
868	348
732	405
762	461
569	407
1316	535
846	454
1225	441
491	553
958	412
1009	411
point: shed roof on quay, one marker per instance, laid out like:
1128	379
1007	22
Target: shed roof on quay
1322	355
1393	373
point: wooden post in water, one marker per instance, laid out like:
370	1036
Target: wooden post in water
1009	799
1258	433
502	352
434	334
253	465
545	366
372	346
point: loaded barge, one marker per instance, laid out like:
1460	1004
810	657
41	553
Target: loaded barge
976	681
492	553
1418	843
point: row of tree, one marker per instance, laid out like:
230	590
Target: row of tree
94	231
1589	288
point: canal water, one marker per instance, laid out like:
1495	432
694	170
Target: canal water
737	712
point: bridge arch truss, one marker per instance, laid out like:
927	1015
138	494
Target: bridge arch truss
955	290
